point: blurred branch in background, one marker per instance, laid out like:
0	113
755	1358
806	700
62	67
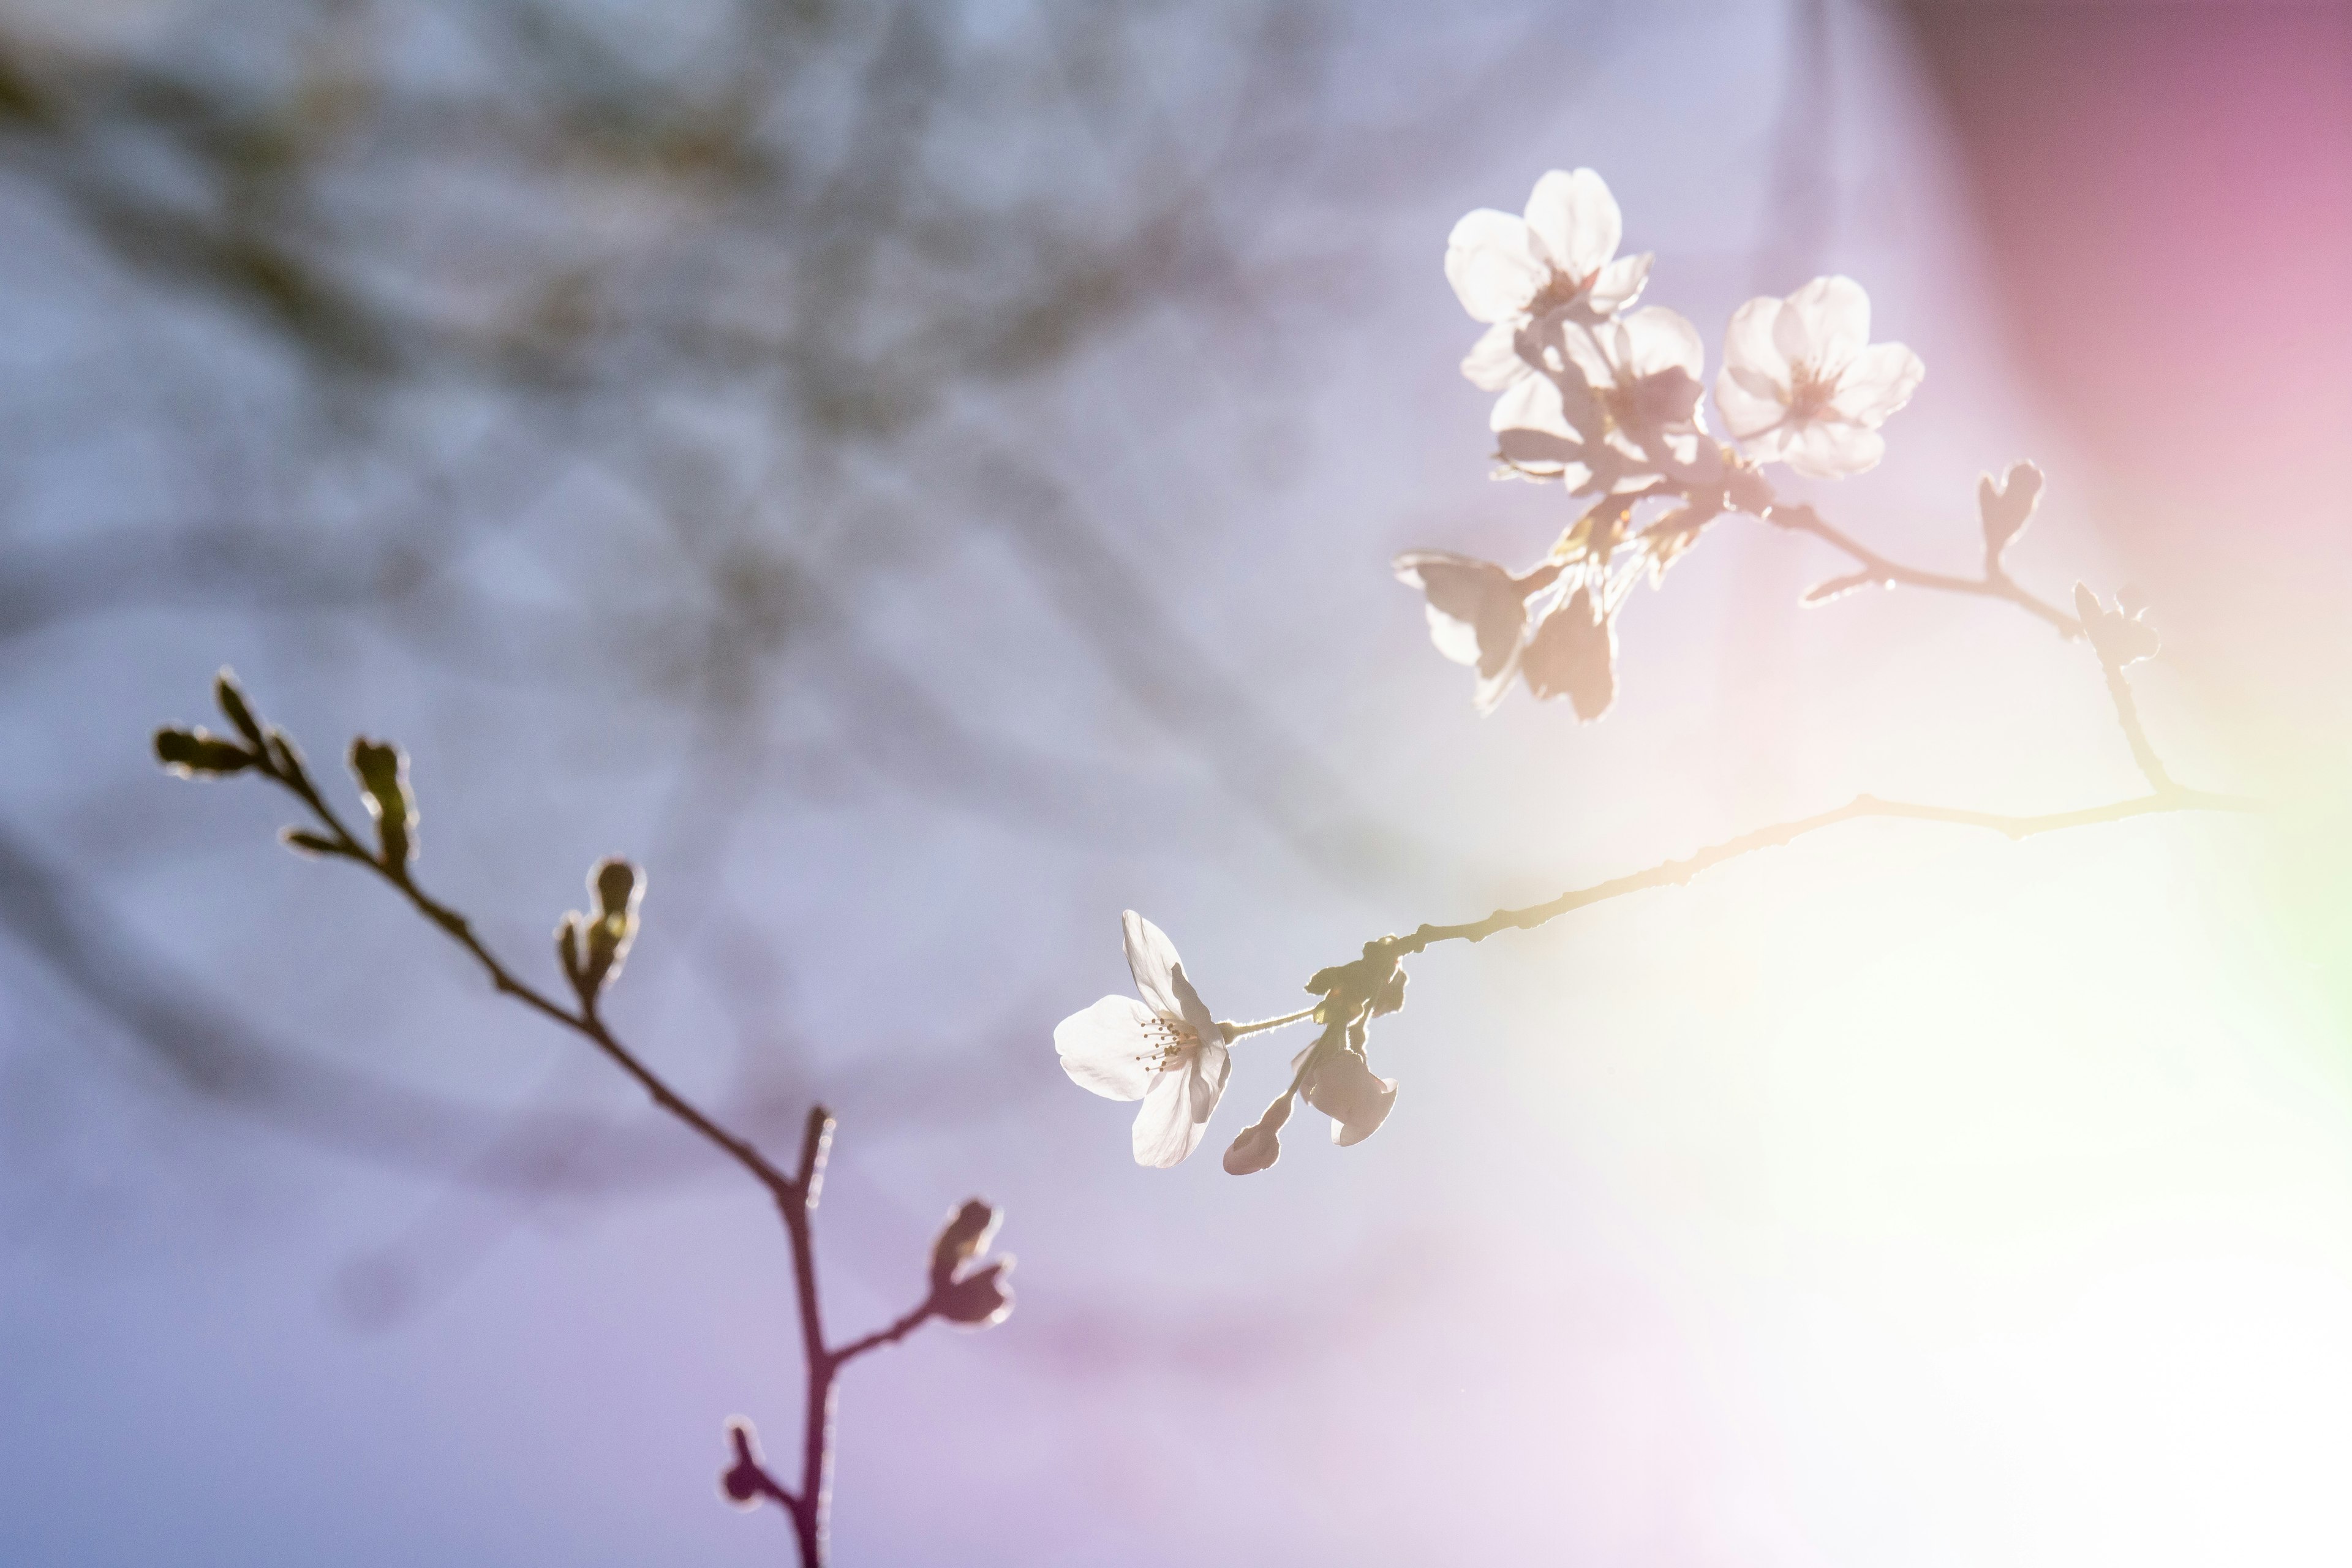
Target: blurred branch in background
591	351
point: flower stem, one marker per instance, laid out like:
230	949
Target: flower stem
1236	1031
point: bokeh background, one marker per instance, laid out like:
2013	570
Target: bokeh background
919	477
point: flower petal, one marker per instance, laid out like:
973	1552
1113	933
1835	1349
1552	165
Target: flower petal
1105	1047
1750	348
1475	611
1152	959
1746	411
1211	1065
1532	403
1495	264
1495	362
1164	1128
1831	448
1881	380
1618	284
1656	339
1824	324
1576	219
1210	1058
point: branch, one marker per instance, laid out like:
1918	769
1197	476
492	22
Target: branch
283	765
1675	873
593	948
889	1336
1877	568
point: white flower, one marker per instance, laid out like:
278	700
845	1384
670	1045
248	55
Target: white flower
1477	612
1563	253
1165	1049
1803	383
1616	401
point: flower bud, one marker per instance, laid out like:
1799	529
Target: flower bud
2006	507
195	753
383	773
1259	1144
965	1237
1572	654
567	946
605	937
745	1483
1343	1086
231	698
978	1300
2119	636
304	841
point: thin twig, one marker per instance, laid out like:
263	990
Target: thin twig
1675	873
2127	715
1877	568
889	1336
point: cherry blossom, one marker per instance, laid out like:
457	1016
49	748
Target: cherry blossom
1803	383
1562	255
1608	406
1477	612
1572	654
1165	1049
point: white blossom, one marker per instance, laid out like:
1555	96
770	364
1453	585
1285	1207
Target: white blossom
1606	406
1165	1049
1562	255
1803	383
1477	612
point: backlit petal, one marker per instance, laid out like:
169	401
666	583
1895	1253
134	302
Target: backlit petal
1656	339
1152	959
1533	404
1880	381
1619	284
1105	1047
1164	1128
1831	450
1576	220
1747	410
1824	324
1211	1067
1495	362
1749	347
1494	264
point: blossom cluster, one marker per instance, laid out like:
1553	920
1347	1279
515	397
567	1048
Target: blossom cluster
1163	1047
1607	401
1604	400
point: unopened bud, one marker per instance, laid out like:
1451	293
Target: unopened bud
2006	507
606	935
1259	1144
745	1482
195	753
965	1237
383	773
567	945
304	841
239	712
978	1299
1343	1086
